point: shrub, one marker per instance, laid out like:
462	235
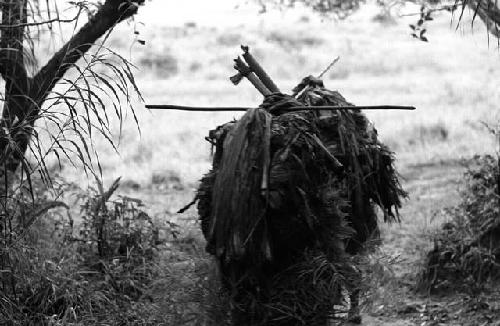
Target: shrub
114	228
467	248
94	271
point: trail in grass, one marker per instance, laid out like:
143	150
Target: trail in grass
432	187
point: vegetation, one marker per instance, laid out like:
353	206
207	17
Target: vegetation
94	271
56	110
71	107
467	248
487	10
60	280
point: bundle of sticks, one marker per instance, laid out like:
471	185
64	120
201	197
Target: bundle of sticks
253	71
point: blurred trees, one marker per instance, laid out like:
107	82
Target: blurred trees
487	10
340	8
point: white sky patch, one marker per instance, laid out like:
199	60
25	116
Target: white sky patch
210	13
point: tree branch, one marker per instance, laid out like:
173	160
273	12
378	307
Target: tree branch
107	16
25	96
46	22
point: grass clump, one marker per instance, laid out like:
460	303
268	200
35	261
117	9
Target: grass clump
467	248
94	269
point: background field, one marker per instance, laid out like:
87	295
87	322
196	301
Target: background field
187	59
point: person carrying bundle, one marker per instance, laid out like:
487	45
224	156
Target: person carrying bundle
290	198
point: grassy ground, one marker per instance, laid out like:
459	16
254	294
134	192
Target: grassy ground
393	299
187	60
433	187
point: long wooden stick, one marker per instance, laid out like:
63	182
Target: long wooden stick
292	108
192	108
356	107
245	71
258	70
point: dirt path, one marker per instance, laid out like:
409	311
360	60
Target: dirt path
432	188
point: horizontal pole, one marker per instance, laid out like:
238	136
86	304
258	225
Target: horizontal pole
293	108
193	108
358	107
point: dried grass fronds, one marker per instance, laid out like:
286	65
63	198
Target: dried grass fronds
237	227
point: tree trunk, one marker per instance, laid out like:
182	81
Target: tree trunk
17	83
24	96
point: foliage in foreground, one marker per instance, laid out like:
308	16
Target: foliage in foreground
92	272
467	248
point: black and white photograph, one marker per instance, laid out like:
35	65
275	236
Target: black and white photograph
250	163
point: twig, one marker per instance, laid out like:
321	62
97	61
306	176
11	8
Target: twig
45	22
329	67
336	163
302	88
293	108
433	10
188	206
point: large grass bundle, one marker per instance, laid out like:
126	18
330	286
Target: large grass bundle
467	248
237	226
289	193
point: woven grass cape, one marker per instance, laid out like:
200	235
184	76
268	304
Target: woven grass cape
290	194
